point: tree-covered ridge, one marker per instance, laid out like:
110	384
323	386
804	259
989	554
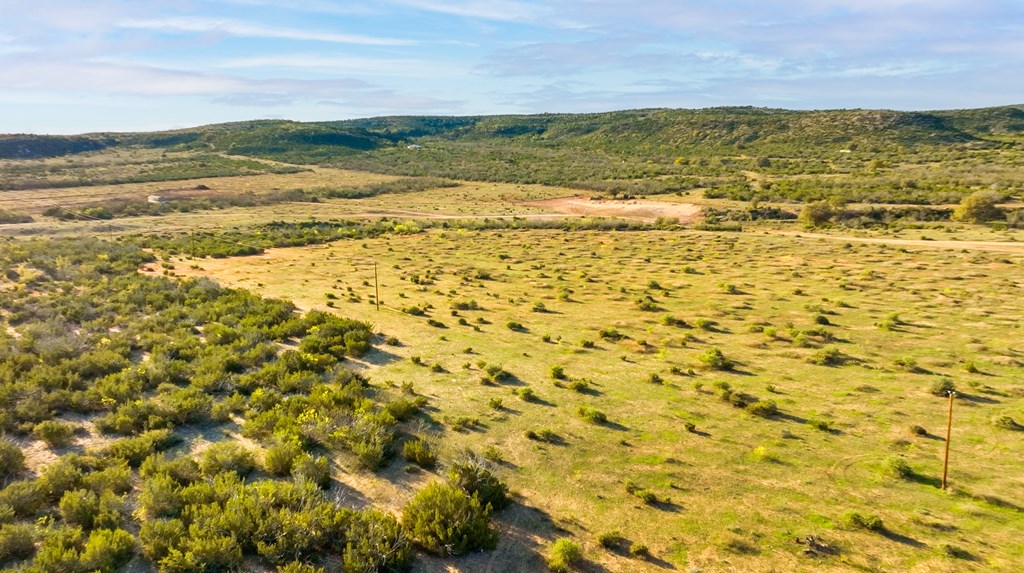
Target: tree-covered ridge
760	128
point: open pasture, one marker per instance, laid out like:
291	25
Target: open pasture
714	397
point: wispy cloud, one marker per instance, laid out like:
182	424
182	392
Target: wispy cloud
251	30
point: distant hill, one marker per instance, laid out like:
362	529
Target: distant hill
757	129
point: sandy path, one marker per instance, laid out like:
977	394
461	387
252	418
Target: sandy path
630	209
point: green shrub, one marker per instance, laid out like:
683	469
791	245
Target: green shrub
316	470
26	498
715	359
821	425
854	520
226	457
829	356
563	554
17	541
495	403
12	460
160	497
107	550
639	550
470	475
1007	423
558	372
418	451
88	510
158	536
943	388
376	542
515	326
55	433
592	415
526	394
897	467
763	408
444	520
610	540
280	457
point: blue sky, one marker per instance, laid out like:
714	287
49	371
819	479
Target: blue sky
118	65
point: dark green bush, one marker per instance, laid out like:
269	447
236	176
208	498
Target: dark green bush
226	457
418	451
444	520
12	460
17	541
316	470
54	432
158	536
854	520
471	476
280	457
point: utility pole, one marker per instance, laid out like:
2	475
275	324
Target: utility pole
376	286
949	432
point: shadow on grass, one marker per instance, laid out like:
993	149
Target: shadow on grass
901	539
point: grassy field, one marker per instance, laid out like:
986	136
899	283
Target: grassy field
889	324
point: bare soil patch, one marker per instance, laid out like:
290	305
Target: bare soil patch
629	209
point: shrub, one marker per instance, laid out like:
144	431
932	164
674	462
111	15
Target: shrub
655	378
610	539
444	520
107	549
55	433
821	425
88	510
854	520
558	372
979	207
942	388
25	498
470	475
316	470
897	467
563	554
918	431
515	326
280	457
579	385
639	550
829	356
592	415
1007	423
715	359
611	334
12	460
526	394
158	536
418	452
226	457
16	541
704	323
763	408
495	403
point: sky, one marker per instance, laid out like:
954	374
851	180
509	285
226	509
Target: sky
141	65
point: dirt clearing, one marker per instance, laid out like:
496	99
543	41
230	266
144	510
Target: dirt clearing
629	209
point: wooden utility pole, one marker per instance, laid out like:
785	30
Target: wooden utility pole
949	433
376	286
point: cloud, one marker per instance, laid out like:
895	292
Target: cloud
246	29
501	10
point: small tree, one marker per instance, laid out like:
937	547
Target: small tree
816	214
979	207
